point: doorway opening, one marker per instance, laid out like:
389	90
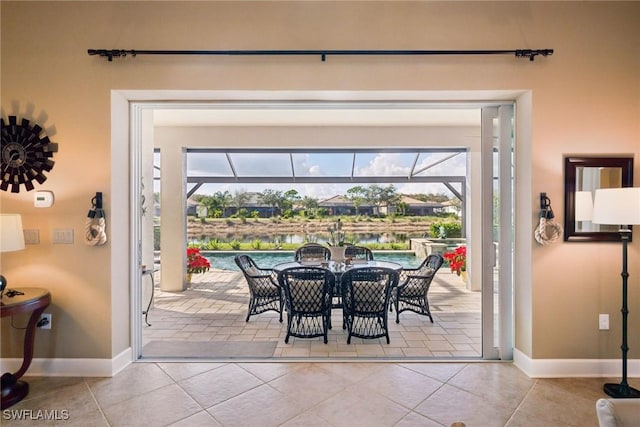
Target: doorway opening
291	138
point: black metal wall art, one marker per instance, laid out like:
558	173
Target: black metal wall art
26	154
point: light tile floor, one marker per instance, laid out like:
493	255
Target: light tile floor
215	306
311	394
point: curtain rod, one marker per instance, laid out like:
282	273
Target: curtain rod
519	53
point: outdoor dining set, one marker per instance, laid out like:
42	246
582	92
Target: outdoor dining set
312	284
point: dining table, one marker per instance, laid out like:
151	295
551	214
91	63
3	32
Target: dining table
337	268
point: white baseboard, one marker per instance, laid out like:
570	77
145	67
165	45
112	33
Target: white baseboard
562	368
534	368
71	367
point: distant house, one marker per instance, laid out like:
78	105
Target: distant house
336	205
450	207
417	207
192	207
255	204
340	205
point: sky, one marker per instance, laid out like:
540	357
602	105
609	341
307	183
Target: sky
324	164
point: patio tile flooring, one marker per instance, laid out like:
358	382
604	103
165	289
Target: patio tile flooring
214	307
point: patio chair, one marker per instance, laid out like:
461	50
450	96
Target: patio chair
365	301
312	252
307	293
412	291
264	292
358	253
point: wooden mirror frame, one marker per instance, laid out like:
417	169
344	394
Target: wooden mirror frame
571	164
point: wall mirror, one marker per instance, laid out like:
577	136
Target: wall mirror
582	176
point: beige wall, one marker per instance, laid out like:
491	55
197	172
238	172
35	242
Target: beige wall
584	99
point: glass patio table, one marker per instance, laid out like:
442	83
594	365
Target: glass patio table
338	268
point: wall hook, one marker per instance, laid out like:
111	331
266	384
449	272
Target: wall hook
545	207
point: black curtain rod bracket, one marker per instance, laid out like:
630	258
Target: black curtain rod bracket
518	53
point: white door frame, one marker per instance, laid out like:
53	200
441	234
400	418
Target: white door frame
497	256
126	139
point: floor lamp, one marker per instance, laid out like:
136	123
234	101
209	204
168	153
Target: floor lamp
620	206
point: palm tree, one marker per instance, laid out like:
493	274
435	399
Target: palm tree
291	196
224	200
239	199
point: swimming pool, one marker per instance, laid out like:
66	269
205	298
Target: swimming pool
224	260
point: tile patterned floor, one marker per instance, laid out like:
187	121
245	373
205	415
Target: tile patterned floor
308	394
214	309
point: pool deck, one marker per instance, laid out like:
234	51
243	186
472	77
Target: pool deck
214	308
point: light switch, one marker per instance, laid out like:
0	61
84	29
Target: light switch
63	236
31	237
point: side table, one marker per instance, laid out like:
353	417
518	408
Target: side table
27	300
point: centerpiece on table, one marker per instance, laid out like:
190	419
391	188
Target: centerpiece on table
196	263
336	241
458	261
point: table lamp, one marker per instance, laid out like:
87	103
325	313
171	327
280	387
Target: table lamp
11	239
620	206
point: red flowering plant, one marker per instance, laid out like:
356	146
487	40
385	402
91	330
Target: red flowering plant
457	259
196	263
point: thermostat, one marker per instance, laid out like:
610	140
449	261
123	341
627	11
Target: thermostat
43	199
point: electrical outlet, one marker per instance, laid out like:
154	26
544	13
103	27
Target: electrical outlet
603	321
45	321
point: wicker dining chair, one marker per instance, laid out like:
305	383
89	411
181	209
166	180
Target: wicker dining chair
307	292
265	294
312	252
358	252
365	301
412	291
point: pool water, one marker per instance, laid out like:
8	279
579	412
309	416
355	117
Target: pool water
267	259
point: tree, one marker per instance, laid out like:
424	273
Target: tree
240	198
224	199
209	202
383	196
290	198
310	204
357	195
272	198
389	196
403	207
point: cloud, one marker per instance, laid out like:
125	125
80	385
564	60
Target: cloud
386	164
397	164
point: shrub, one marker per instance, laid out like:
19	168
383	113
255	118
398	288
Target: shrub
451	229
213	245
287	213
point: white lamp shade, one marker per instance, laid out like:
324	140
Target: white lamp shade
617	206
584	206
11	235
